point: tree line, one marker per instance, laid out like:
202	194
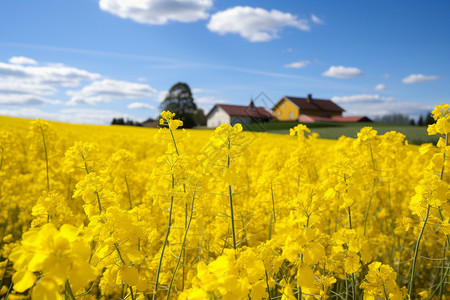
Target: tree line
402	119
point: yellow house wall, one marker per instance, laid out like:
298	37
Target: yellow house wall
283	110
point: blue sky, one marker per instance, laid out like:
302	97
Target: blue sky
87	61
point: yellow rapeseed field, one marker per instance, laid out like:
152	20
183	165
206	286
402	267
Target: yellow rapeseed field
117	212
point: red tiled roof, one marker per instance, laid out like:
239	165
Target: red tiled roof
350	119
311	119
243	111
315	104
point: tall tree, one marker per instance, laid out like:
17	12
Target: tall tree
429	119
420	122
200	117
180	101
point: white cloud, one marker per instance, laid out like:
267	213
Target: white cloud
94	116
208	100
362	98
142	79
107	89
25	99
158	12
162	95
387	76
342	72
140	105
22	60
254	24
25	85
298	64
18	87
84	116
55	74
380	87
414	78
316	19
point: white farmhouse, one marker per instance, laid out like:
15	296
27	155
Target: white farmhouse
232	114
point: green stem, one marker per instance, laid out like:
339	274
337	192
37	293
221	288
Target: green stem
174	143
353	286
128	190
273	203
69	291
123	262
346	286
131	292
1	161
68	186
228	156
166	241
232	217
349	217
336	218
9	290
368	207
416	252
46	157
98	200
442	283
169	224
267	285
182	247
270	227
371	155
443	163
118	251
5	225
385	293
85	167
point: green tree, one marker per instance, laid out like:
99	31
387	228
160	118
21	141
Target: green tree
200	117
180	101
429	119
420	122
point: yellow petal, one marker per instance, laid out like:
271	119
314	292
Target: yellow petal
23	280
129	274
46	289
68	231
305	276
258	290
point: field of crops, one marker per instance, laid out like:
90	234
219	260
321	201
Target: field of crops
416	135
96	212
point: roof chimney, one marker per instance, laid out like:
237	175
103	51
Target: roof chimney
309	99
251	105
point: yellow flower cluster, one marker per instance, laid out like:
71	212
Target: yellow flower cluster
94	212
